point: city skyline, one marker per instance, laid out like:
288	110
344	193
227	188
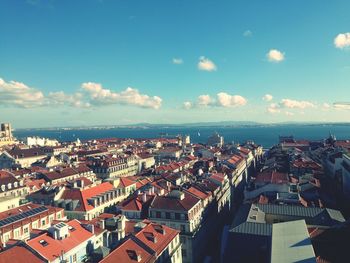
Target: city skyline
124	62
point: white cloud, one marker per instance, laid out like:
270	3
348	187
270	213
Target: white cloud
206	64
74	100
326	106
274	108
295	104
288	113
187	105
227	100
275	55
341	105
247	33
342	41
267	97
289	104
204	100
130	96
18	94
222	100
178	61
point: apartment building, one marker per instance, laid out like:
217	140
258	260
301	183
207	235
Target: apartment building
17	223
147	242
181	211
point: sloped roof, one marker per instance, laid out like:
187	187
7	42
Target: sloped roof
55	247
19	254
82	195
252	228
173	203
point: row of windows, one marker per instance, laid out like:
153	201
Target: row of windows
25	230
169	215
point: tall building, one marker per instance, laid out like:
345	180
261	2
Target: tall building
6	134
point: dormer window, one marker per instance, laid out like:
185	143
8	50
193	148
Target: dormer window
133	255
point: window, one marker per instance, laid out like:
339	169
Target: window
75	258
177	216
43	222
6	237
16	233
167	215
158	214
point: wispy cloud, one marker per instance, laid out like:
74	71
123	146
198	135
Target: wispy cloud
274	108
206	64
289	104
342	105
187	105
177	61
267	97
247	33
296	104
342	40
275	56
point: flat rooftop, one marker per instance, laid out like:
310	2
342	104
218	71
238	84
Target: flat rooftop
291	243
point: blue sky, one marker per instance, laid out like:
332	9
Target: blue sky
94	62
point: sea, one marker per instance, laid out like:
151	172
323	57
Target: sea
266	136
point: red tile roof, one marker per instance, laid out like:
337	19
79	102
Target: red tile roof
7	177
84	194
156	236
19	254
148	243
272	177
198	193
55	247
173	203
128	252
125	182
26	153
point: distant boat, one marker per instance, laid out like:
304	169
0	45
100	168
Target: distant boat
199	134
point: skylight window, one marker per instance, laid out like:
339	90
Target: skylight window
43	243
